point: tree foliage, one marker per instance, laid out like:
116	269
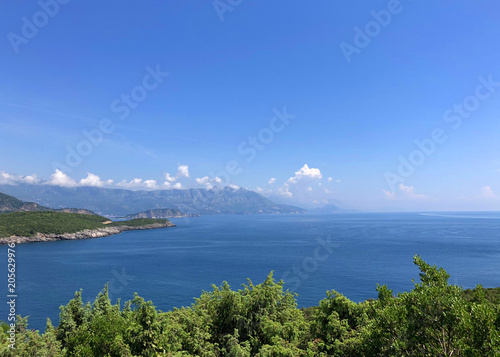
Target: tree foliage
27	224
433	319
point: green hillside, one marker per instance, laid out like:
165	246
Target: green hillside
29	223
9	203
12	204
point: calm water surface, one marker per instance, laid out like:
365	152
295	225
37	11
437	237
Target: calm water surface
172	266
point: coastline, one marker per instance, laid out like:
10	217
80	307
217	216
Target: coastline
85	234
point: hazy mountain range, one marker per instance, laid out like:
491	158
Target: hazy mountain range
12	204
333	206
120	202
328	209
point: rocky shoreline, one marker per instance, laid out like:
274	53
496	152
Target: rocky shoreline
85	234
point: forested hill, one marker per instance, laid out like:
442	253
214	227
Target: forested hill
45	226
160	213
12	204
118	202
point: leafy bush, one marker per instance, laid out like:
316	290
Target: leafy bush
434	319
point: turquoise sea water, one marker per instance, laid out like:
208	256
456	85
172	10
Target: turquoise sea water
350	253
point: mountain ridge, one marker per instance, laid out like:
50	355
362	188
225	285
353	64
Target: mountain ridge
12	204
121	202
9	203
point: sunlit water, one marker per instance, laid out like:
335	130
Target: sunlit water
172	266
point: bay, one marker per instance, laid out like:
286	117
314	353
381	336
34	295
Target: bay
349	252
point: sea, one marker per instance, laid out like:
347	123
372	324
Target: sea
347	252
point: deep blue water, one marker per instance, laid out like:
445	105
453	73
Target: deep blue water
172	266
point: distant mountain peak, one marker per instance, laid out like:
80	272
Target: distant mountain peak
121	202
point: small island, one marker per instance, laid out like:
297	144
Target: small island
161	213
44	226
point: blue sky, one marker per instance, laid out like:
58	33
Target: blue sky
334	95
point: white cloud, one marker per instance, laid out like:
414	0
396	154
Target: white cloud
208	182
234	187
94	180
258	189
178	185
404	193
285	190
138	183
59	178
169	178
9	179
135	183
330	179
327	191
6	178
150	184
32	179
203	181
272	180
299	185
306	172
338	181
182	171
487	192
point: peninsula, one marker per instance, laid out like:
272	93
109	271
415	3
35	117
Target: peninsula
161	213
44	226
